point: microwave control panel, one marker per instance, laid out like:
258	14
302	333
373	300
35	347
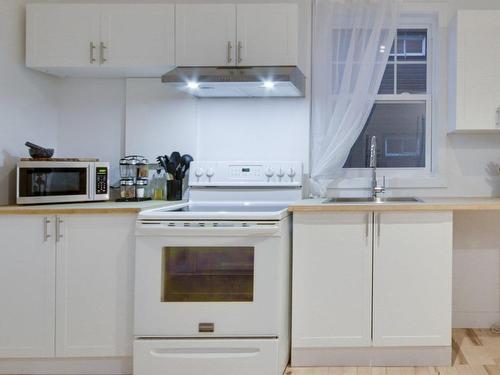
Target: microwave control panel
101	180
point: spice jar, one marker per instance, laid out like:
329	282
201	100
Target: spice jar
142	169
127	188
141	185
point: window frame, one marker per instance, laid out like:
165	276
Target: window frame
428	98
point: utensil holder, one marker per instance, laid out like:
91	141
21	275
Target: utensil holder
174	190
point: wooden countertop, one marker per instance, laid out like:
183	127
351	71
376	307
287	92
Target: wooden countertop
84	208
426	204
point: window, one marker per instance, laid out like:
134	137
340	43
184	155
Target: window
399	119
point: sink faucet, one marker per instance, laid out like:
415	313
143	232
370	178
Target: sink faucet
376	190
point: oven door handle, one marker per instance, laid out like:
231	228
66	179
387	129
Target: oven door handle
162	229
195	353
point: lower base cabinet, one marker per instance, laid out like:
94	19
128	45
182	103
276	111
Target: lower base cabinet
365	281
27	286
66	283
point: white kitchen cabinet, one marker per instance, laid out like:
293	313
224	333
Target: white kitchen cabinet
59	35
138	36
332	285
205	34
131	40
94	290
67	286
366	282
236	35
267	34
27	284
474	74
412	275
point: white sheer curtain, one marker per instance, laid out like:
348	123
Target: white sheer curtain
351	46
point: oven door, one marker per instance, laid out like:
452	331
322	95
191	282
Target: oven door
53	182
210	279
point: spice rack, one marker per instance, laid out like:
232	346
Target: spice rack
134	174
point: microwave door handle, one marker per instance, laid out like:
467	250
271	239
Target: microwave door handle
89	184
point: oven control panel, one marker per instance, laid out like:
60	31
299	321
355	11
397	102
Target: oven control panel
245	173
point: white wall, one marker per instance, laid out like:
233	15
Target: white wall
91	120
28	100
214	129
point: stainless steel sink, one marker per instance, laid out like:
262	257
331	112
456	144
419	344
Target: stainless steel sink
373	200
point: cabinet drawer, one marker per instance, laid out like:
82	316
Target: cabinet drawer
221	357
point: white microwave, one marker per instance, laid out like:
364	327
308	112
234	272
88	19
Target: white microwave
61	182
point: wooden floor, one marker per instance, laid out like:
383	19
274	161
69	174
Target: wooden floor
475	351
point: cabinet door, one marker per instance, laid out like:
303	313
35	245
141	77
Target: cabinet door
332	284
205	34
94	285
60	35
478	76
139	36
27	284
267	34
412	279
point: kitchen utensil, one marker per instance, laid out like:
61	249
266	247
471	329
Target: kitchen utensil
39	152
186	162
172	168
162	162
175	157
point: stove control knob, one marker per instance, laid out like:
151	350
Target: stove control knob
210	173
291	173
198	173
269	173
281	173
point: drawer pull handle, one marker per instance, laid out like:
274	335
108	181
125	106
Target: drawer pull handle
206	327
223	353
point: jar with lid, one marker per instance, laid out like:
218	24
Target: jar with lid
142	168
128	167
158	186
141	185
127	188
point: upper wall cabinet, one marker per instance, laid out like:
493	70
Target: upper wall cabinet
474	74
236	35
267	34
131	40
205	35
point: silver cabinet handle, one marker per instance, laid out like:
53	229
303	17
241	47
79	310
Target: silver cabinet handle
103	47
59	234
240	47
379	219
229	48
92	49
497	118
46	234
368	217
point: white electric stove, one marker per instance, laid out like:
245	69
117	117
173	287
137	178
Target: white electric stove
213	276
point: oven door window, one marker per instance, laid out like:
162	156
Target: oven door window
207	274
40	182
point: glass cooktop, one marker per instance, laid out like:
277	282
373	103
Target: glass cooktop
230	208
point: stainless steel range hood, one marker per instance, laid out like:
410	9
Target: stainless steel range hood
230	82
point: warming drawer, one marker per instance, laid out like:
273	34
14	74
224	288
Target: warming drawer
221	357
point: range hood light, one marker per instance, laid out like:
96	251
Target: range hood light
238	82
268	85
192	85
